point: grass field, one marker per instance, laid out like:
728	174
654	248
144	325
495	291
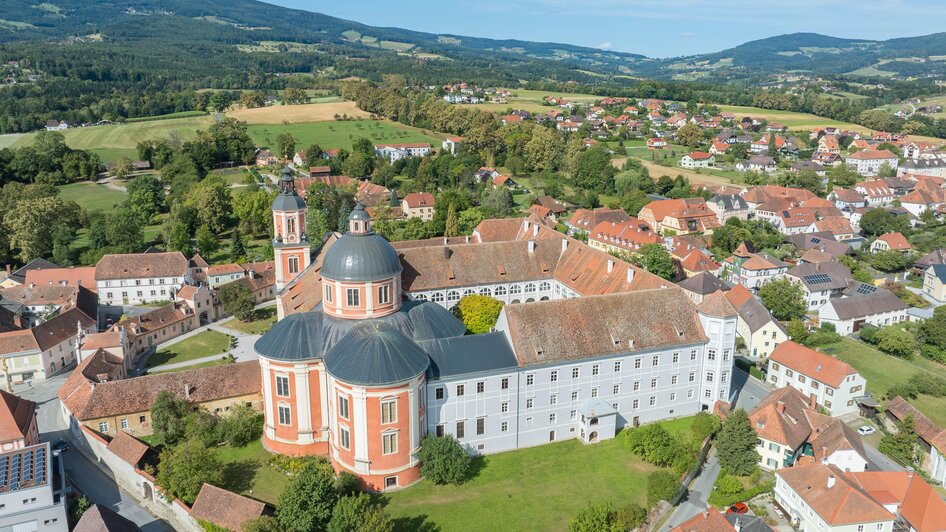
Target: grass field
540	488
263	319
92	196
312	112
10	139
114	142
695	178
247	471
883	371
201	345
791	119
340	134
531	101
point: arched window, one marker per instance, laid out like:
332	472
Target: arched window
500	290
486	292
291	226
530	288
421	297
437	297
468	292
544	298
545	286
453	296
515	301
515	289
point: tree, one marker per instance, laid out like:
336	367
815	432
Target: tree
452	227
901	446
889	261
206	240
690	135
895	342
657	260
661	486
242	426
633	201
596	517
123	231
211	198
145	196
630	517
797	331
736	445
263	523
122	168
443	460
593	170
704	425
31	223
544	150
252	99
237	300
237	247
294	96
167	417
933	330
784	299
307	501
876	222
358	165
478	312
287	145
253	209
358	512
184	469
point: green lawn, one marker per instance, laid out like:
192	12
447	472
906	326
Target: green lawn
247	471
113	142
201	345
263	319
340	134
540	488
91	196
883	371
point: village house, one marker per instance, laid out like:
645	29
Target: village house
820	281
221	274
697	159
94	398
32	304
262	285
829	144
150	329
728	206
655	143
847	199
869	162
877	192
693	261
266	158
862	304
32	490
679	216
758	163
751	270
921	199
18	428
760	331
451	145
891	242
225	509
585	220
418	205
932	437
833	384
45	350
791	431
627	236
838	226
135	278
74	276
555	206
56	125
934	282
807	166
701	285
395	152
925	167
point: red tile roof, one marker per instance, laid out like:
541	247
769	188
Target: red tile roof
225	508
895	241
843	503
419	199
811	363
16	416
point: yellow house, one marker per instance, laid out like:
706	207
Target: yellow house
934	282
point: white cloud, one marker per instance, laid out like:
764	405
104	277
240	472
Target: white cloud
606	46
686	34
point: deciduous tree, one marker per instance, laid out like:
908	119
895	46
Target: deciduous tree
478	312
358	512
736	445
183	469
784	299
307	502
237	299
443	460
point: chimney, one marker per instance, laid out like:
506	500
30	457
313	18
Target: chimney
813	402
535	230
831	481
532	246
564	245
610	265
467	239
781	407
446	251
187	392
32	285
630	274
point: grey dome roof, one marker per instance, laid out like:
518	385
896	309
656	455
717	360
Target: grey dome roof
431	321
288	200
361	258
359	213
295	337
375	354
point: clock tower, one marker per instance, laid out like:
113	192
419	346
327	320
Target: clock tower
290	241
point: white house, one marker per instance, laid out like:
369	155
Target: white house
134	278
33	491
698	159
45	350
821	497
868	162
394	152
862	304
821	281
832	383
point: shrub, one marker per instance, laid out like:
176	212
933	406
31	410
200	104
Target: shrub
661	486
721	500
242	426
479	313
630	517
895	341
359	513
933	353
728	484
868	333
444	460
595	517
929	384
654	444
347	484
309	498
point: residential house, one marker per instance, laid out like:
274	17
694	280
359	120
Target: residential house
679	216
418	205
833	384
555	206
752	270
693	261
451	145
829	144
826	159
320	172
762	145
56	125
148	330
135	278
485	173
932	443
719	147
877	192
585	220
262	285
821	281
931	258
627	236
926	167
760	331
891	242
18	276
220	274
934	282
32	490
711	520
920	200
266	158
91	397
701	285
869	162
863	304
45	350
728	206
18	428
697	159
34	304
847	199
839	226
758	163
655	143
74	276
791	430
395	152
808	166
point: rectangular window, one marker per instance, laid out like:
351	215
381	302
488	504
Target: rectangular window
344	438
692	376
594	369
354	297
389	411
552	417
673	396
343	407
711	354
505	407
293	264
530	379
529	402
693	355
328	293
285	417
553	376
553	399
459	390
103	427
282	386
124	423
480	387
637	363
653	400
574	396
635	404
594	393
656	360
438	393
439	431
573	415
480	426
384	294
505	383
574	373
709	376
653	382
389	443
617	389
617	367
504	426
673	379
461	430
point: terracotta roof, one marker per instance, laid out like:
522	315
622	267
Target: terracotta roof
100	519
187	292
678	208
141	265
101	340
540	210
225	508
128	448
872	154
419	199
630	235
762	262
259	280
86	400
48	334
16	416
403	146
717	305
696	261
602	325
155	319
815	256
738	294
844	503
781	417
699	155
587	219
811	363
41	295
895	241
224	269
931	433
710	520
81	276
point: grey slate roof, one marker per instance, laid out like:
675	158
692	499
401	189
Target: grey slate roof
295	337
478	353
375	354
19	275
288	200
822	275
939	270
361	258
596	408
757	316
860	305
703	283
730	202
931	258
747	523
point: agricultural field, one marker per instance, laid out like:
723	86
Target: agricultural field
92	196
793	120
340	134
312	112
529	100
113	142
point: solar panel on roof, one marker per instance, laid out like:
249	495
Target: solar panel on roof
866	289
817	278
815	240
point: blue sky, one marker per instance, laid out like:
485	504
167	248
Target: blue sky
657	28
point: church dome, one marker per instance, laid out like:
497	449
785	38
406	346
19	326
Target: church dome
361	256
375	354
295	337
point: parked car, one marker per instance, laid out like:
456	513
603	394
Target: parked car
738	508
866	430
61	446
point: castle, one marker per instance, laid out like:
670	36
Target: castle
366	359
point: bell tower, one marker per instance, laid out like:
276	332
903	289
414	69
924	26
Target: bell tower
290	241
